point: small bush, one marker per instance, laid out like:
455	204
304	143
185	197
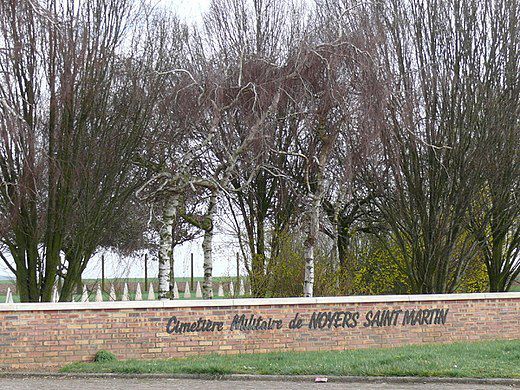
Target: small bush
475	279
285	271
104	356
380	271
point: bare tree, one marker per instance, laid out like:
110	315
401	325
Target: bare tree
330	70
166	148
434	56
251	41
494	213
78	116
318	117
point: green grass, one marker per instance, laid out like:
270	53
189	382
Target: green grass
490	359
16	298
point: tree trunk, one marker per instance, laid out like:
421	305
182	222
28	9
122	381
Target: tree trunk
258	277
79	285
172	274
207	247
494	262
22	284
170	206
72	279
310	244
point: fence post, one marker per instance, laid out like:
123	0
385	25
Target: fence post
103	273
146	272
172	275
238	270
191	283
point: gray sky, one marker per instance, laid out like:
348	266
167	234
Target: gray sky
189	10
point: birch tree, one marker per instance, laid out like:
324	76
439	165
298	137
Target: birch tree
253	39
233	94
331	68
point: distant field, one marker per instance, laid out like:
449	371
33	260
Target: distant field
119	286
116	281
516	286
77	298
217	279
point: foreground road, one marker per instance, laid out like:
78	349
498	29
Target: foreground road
195	384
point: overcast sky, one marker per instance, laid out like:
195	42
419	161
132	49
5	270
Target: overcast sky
189	10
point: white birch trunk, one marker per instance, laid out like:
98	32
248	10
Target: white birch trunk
207	248
310	243
172	276
170	206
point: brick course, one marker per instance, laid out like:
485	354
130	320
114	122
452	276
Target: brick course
48	336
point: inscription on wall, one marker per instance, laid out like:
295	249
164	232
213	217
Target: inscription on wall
317	320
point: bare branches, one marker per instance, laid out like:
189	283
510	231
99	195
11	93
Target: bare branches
72	116
403	114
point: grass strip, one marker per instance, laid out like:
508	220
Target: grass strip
489	359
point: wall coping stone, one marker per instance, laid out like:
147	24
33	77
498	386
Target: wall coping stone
117	305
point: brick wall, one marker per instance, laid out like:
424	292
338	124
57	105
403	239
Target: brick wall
48	336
